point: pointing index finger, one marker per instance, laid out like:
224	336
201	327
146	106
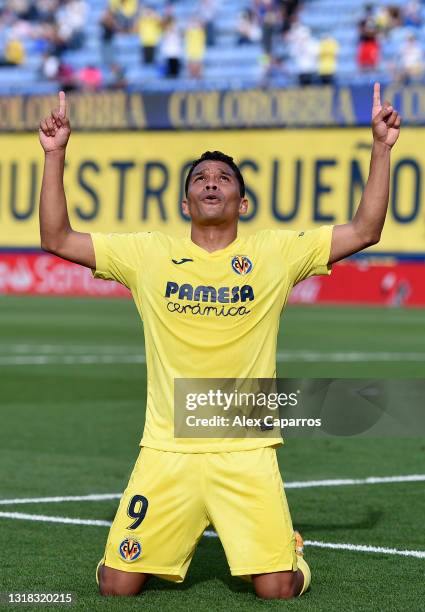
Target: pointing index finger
62	104
376	95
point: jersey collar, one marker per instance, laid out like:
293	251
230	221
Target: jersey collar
199	251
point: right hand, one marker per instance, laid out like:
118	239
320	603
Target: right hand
385	120
55	130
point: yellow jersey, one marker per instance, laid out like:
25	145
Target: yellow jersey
149	30
208	315
328	54
128	8
195	43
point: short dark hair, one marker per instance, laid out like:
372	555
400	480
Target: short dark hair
217	156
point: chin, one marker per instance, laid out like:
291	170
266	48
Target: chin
212	220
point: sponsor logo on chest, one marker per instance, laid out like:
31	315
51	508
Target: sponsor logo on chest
180	293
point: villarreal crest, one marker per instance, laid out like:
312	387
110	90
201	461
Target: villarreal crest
130	549
241	264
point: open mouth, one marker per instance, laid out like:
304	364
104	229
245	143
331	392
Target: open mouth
212	199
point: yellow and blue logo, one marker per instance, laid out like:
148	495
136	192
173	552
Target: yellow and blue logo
242	265
130	549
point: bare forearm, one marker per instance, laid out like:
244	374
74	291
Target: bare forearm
370	216
366	227
54	220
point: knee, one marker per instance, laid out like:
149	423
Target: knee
278	591
120	584
108	588
276	586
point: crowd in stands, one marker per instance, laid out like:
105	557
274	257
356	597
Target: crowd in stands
176	49
161	35
315	59
392	24
162	38
53	26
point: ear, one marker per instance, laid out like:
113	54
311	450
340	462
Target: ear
243	206
185	208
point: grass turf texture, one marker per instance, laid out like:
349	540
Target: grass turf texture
74	430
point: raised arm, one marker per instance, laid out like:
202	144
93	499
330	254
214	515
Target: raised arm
57	235
366	227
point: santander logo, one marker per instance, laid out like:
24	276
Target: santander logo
18	278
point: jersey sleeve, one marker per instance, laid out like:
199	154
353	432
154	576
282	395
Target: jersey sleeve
118	256
305	253
310	252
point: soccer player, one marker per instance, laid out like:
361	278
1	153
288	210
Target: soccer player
210	304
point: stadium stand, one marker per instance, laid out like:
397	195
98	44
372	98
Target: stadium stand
47	44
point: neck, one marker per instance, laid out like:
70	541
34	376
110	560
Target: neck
213	237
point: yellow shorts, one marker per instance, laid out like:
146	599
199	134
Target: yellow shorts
171	499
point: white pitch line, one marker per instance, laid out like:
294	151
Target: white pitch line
347	357
282	357
212	534
339	482
420	554
295	484
69	348
67	498
69	359
54	519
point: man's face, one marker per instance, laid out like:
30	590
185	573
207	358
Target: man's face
213	196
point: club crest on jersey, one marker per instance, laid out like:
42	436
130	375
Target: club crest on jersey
130	549
242	265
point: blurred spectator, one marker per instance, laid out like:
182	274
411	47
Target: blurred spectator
23	9
289	14
269	16
14	27
125	12
120	16
248	28
304	50
368	54
208	12
381	21
171	48
412	14
368	46
367	25
388	18
195	40
46	10
273	68
328	55
13	53
70	19
66	77
395	16
110	26
117	78
89	79
53	69
411	60
50	66
149	29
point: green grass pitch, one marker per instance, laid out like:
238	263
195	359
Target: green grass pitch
70	428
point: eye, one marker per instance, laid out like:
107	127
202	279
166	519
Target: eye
224	177
199	177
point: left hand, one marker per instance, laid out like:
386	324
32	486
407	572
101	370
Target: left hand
385	120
